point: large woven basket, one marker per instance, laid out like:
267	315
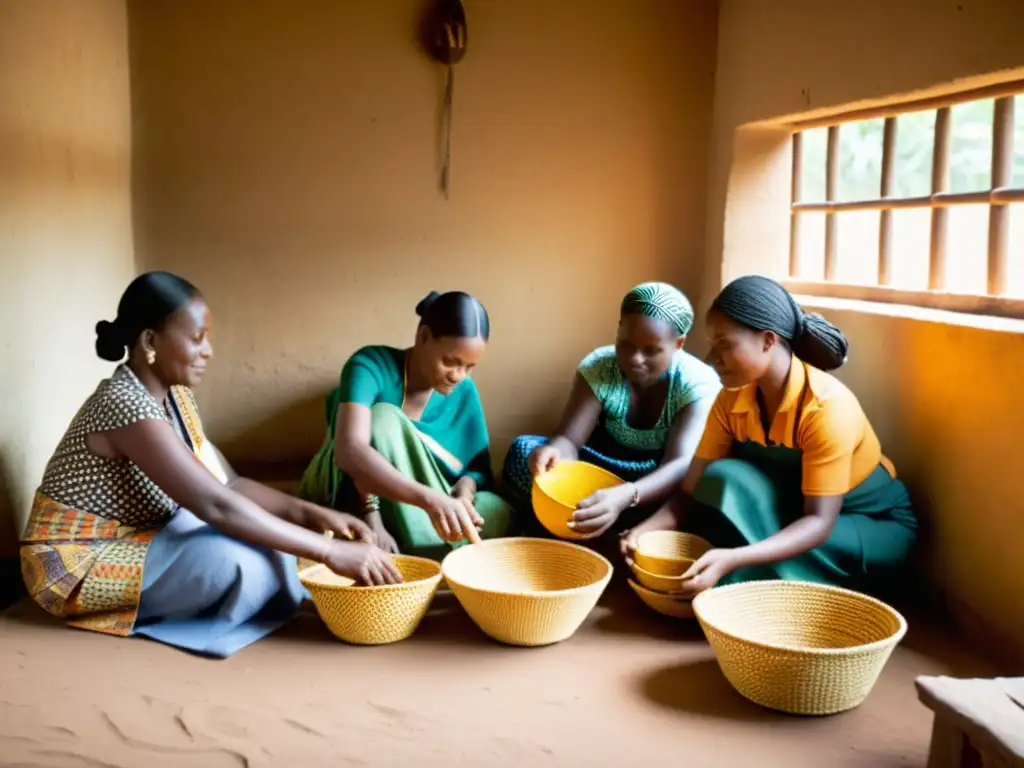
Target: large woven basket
374	615
807	649
527	591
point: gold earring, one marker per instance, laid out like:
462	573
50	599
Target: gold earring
150	356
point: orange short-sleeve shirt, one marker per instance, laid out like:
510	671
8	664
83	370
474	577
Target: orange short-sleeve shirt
818	416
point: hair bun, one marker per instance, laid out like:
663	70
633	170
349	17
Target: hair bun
425	304
110	341
821	343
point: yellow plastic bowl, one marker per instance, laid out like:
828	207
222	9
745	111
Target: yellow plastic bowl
527	591
557	492
803	648
666	605
668	553
374	615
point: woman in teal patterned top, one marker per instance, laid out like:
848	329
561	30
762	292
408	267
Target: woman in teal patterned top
407	440
637	409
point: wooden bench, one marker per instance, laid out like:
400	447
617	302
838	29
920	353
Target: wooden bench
977	722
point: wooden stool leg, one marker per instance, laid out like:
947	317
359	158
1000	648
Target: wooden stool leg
948	745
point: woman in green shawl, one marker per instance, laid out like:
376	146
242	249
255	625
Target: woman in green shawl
407	440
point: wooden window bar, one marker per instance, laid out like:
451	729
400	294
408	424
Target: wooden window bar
940	216
939	201
888	182
831	184
999	215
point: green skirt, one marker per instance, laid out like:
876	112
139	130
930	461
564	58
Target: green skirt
756	493
394	436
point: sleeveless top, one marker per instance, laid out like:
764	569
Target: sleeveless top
92	518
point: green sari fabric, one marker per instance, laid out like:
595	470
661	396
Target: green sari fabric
448	442
756	493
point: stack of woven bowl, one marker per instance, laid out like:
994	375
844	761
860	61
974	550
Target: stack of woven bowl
660	560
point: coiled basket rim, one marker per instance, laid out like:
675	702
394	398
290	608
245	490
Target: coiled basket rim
309	583
550	594
893	639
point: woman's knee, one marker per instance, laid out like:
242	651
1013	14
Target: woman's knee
517	460
732	476
497	514
235	562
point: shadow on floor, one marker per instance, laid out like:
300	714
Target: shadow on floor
698	687
622	613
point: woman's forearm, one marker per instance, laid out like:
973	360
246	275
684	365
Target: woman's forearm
271	500
798	537
239	517
669	516
658	485
374	475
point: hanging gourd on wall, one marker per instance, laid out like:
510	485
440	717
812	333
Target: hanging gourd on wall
444	36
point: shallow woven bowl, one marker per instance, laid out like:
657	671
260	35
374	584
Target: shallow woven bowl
808	649
527	591
557	492
668	553
653	581
374	615
666	605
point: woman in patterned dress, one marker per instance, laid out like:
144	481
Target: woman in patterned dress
140	527
637	409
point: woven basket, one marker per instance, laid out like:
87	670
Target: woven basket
527	591
664	604
807	649
655	582
374	615
557	492
668	553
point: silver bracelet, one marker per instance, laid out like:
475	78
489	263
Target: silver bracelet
635	501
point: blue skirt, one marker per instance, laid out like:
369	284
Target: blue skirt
208	593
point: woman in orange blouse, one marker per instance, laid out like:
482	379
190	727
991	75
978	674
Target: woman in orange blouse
789	480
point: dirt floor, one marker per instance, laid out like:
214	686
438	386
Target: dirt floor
631	688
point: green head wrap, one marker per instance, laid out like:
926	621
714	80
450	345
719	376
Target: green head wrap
662	302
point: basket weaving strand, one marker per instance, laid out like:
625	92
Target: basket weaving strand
527	591
374	615
799	647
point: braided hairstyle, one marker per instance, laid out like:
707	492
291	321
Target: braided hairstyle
763	305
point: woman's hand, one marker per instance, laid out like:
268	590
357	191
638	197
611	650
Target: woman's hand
599	511
709	569
543	459
342	525
627	544
454	519
363	562
465	491
384	539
